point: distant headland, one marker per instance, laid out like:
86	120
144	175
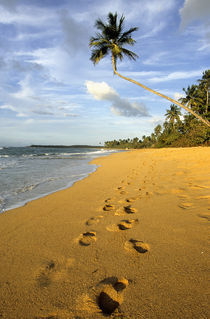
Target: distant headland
66	146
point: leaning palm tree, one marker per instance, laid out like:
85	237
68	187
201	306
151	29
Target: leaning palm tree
111	38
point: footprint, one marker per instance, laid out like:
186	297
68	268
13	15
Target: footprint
120	212
87	238
123	225
148	193
44	279
186	205
137	245
54	271
132	199
93	220
59	314
120	188
203	197
108	207
205	216
108	200
112	228
183	196
129	210
199	186
111	297
48	317
127	224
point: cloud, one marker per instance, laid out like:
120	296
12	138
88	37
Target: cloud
122	107
13	109
27	16
178	95
9	4
75	34
176	76
156	29
194	10
26	91
40	112
156	58
197	11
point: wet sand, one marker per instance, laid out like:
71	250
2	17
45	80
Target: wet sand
129	241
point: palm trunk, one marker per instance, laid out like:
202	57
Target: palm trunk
159	94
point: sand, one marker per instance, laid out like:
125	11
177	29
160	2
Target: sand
129	241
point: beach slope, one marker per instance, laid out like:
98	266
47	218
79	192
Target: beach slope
128	241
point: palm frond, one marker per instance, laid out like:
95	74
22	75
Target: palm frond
131	55
99	24
128	33
97	42
126	40
97	55
120	27
111	39
112	19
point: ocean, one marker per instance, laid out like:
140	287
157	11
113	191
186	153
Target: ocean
28	173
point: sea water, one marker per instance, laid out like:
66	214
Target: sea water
28	173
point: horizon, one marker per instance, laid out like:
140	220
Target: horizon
51	91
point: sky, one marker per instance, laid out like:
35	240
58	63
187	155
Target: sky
50	91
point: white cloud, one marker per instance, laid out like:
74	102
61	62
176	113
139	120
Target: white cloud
101	90
156	29
143	73
156	58
122	107
199	12
13	109
194	10
25	92
27	15
178	95
8	107
176	76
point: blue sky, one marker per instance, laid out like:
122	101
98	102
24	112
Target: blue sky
51	93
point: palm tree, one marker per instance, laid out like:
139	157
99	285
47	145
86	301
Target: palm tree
193	98
173	115
205	85
158	130
111	39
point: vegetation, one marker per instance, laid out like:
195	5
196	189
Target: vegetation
112	39
178	130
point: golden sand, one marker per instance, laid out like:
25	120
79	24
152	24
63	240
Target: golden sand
129	241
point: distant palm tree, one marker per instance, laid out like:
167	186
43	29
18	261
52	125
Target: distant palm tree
193	98
158	130
111	39
205	84
173	114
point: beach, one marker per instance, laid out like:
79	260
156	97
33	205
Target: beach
128	241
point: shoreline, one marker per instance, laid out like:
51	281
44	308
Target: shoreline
139	222
32	188
25	202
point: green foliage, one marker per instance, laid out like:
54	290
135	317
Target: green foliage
111	39
177	132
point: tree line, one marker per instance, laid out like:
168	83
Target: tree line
178	130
